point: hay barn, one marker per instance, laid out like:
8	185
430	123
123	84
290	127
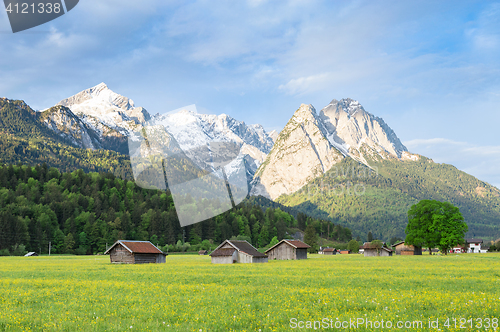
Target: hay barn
401	248
288	249
329	251
371	250
135	252
232	251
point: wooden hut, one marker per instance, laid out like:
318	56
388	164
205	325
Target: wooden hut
288	249
232	251
371	250
203	252
345	252
329	251
135	252
401	248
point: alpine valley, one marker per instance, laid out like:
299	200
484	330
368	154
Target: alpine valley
342	164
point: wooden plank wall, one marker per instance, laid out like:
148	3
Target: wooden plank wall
283	251
121	255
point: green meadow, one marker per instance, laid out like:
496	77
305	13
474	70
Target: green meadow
188	293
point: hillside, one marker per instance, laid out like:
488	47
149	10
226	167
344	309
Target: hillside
25	139
355	196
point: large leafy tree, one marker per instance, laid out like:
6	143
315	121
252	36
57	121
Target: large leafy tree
435	224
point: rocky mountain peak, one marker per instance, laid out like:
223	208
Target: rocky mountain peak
301	153
353	129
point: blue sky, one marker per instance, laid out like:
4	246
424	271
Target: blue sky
431	69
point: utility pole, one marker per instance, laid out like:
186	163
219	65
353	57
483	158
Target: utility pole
49	247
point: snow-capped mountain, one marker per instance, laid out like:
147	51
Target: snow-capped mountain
276	164
111	118
310	144
102	107
192	130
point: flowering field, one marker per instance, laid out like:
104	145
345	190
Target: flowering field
188	293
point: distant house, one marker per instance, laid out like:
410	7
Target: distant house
401	248
473	245
135	252
288	249
31	254
232	251
370	250
458	249
344	251
203	252
329	251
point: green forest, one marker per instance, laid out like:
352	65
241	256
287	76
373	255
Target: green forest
83	213
378	199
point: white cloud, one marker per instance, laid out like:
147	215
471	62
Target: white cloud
481	161
301	85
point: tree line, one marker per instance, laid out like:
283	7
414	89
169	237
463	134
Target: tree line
84	213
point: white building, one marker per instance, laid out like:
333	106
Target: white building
474	245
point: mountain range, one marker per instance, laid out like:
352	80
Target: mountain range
343	163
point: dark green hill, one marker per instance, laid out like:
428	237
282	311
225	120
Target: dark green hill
377	201
81	212
17	118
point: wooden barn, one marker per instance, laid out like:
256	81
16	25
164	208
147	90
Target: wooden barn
288	249
232	251
329	251
135	252
401	248
203	252
345	252
371	250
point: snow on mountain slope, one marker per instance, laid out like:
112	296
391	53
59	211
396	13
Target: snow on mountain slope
192	129
106	111
62	121
114	118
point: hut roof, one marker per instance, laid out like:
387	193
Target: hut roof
297	244
474	240
242	246
398	243
369	246
223	252
137	247
329	249
30	254
247	248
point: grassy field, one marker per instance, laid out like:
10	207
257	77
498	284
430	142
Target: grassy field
188	293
